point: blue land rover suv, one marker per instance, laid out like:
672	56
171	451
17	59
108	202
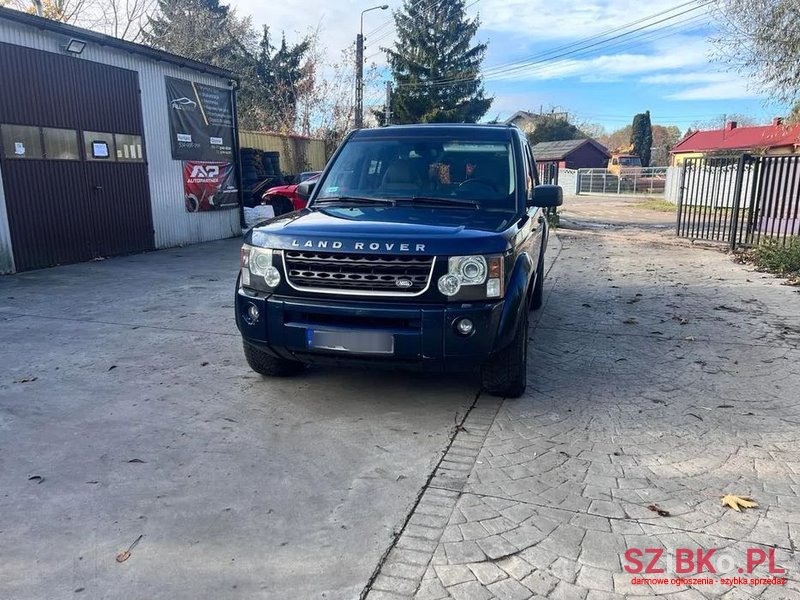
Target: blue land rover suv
422	247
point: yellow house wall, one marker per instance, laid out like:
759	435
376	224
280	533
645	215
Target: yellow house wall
297	153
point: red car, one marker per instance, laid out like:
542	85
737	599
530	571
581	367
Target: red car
288	191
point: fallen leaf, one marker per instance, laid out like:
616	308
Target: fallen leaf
112	367
735	502
585	305
36	478
204	363
630	321
689	338
660	511
25	379
724	405
136	460
695	416
123	556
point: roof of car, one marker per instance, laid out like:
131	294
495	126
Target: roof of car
459	130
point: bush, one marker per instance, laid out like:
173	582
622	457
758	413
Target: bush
775	257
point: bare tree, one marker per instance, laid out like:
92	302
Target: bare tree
761	38
120	18
125	19
326	103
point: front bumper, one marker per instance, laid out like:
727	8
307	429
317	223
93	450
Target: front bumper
424	334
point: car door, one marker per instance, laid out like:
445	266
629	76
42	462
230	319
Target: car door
535	216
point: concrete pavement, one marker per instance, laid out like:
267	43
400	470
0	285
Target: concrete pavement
123	386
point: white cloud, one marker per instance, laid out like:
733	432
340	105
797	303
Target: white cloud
728	90
567	19
682	53
673	78
716	86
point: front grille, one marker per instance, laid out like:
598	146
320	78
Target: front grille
358	273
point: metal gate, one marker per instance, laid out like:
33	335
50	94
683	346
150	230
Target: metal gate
738	200
72	158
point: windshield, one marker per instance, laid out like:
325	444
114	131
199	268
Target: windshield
630	161
451	171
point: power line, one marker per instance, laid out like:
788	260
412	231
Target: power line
563	51
620	46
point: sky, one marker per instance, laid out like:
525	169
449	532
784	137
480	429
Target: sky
564	55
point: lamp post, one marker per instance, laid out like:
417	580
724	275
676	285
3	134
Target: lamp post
359	116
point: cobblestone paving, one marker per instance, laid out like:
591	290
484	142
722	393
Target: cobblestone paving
660	377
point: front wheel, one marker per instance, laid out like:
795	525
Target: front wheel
269	365
506	373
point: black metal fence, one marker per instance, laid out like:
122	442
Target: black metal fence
739	200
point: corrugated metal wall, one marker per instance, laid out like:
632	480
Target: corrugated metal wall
297	153
173	225
6	257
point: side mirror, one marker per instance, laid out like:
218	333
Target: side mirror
547	196
305	189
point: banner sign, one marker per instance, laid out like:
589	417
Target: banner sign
209	186
200	121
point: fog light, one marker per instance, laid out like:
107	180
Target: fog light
252	313
464	326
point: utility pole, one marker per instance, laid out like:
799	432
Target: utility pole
359	110
359	81
387	110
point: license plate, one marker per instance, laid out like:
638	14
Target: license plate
358	342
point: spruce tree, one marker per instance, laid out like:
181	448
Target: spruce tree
642	137
435	67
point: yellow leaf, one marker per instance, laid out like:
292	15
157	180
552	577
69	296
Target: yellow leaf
735	502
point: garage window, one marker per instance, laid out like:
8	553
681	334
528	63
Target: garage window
99	146
60	144
129	147
21	141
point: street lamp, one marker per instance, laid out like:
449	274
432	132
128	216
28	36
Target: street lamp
359	116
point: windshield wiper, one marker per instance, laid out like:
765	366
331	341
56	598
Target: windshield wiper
433	201
352	200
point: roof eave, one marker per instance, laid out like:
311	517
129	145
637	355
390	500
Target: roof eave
102	39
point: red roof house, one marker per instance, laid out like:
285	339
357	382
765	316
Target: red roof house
776	138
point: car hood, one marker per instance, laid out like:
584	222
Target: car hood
278	189
387	230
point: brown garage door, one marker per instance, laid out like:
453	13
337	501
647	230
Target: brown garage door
73	159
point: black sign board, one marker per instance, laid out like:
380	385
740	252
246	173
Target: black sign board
200	121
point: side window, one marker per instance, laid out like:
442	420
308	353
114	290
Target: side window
21	141
530	173
60	144
99	146
129	148
535	168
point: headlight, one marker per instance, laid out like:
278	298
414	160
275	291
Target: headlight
473	278
257	267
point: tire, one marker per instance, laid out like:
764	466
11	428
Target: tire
270	366
506	373
537	297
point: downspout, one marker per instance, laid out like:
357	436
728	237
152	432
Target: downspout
237	155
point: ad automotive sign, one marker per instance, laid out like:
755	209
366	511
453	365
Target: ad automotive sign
200	121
